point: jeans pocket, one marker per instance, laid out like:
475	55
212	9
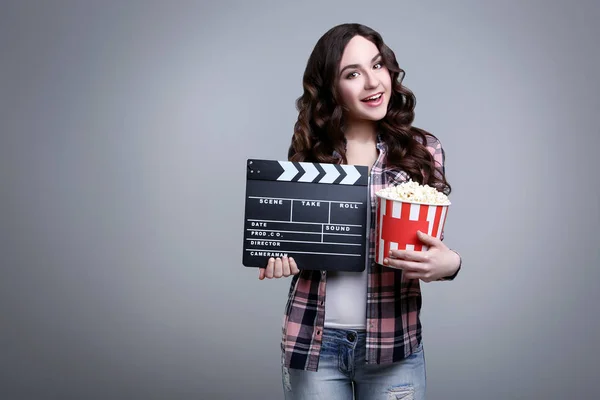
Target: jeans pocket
329	347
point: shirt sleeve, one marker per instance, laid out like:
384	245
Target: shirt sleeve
439	156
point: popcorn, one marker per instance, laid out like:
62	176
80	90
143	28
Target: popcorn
403	210
413	192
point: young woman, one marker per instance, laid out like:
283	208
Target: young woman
346	334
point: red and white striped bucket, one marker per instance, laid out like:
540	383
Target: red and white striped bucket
398	222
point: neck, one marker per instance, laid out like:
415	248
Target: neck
361	131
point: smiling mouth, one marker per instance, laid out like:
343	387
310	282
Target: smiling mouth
373	98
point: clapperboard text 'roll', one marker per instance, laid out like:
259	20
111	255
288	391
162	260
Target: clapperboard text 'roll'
314	212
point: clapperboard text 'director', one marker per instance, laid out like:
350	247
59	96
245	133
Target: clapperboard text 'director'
314	212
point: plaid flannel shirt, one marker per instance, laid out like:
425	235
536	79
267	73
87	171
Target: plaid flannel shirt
393	303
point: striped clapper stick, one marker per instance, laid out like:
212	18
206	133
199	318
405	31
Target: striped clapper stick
313	212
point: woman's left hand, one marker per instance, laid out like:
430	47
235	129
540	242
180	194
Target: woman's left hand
431	265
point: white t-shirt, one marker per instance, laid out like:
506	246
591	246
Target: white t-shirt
346	292
346	300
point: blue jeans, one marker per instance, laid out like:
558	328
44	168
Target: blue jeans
344	375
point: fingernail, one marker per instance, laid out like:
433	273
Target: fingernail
385	261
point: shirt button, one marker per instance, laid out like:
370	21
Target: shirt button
351	336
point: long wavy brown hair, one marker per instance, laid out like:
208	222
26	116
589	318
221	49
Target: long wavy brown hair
319	130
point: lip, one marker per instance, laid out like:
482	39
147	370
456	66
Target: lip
374	94
374	104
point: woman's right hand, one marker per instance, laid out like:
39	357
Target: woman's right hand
276	268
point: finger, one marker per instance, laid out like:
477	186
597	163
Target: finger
405	265
425	277
410	255
270	267
278	272
286	266
261	273
293	266
428	239
412	275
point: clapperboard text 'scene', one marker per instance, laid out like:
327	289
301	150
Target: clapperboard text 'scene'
314	212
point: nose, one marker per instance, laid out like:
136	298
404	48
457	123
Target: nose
371	81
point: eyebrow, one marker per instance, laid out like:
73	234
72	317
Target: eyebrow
358	66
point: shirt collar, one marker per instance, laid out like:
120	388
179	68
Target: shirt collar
380	146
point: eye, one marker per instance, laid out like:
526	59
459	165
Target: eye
352	75
378	65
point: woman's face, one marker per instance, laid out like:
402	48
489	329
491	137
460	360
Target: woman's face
364	83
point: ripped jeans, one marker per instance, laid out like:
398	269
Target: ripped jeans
344	375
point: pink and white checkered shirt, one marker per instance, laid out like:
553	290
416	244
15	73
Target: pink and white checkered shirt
393	303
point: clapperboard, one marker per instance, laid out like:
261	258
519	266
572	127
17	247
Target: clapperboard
313	212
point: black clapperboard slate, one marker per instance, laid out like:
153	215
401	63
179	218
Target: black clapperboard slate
313	212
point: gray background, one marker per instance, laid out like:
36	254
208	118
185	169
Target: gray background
125	127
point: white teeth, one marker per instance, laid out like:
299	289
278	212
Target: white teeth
374	97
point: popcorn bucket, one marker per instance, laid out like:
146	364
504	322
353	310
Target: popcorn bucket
398	222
